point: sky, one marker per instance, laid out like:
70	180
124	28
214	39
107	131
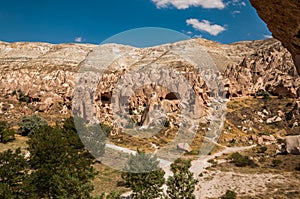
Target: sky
94	21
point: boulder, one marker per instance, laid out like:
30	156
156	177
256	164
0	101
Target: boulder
184	147
254	137
268	138
260	141
292	144
274	119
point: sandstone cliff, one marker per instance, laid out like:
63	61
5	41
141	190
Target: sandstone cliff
283	20
42	76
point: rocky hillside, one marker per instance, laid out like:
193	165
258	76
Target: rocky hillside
40	77
283	20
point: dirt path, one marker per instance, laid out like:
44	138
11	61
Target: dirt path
198	166
215	183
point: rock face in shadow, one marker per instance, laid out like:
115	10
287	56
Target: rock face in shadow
283	20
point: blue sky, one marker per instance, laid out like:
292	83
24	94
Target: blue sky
93	21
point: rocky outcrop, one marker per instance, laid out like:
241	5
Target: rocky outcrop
184	147
269	68
42	77
42	72
161	81
292	144
283	20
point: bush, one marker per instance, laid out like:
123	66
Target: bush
113	195
289	116
229	195
130	124
262	149
143	175
276	163
182	184
60	167
213	162
23	97
241	161
289	104
264	94
166	123
13	167
105	128
6	134
29	124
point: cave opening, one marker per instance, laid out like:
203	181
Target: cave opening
106	98
172	96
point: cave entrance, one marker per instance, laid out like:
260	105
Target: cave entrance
172	96
106	98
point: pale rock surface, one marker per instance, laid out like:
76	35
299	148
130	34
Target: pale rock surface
292	144
47	73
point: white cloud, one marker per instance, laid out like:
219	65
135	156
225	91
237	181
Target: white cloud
235	12
268	36
197	36
189	33
78	39
184	4
206	26
236	3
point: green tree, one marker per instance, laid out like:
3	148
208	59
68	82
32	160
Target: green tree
182	184
13	171
61	165
144	176
6	134
30	123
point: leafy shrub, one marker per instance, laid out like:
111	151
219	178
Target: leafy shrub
289	104
166	123
61	167
182	184
289	116
13	168
113	195
23	97
229	195
264	94
241	161
143	175
213	162
276	163
6	134
14	92
29	124
262	149
130	124
106	129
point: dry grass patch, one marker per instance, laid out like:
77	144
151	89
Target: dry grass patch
108	179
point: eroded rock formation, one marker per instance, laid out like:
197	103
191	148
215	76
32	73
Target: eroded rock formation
283	20
43	76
